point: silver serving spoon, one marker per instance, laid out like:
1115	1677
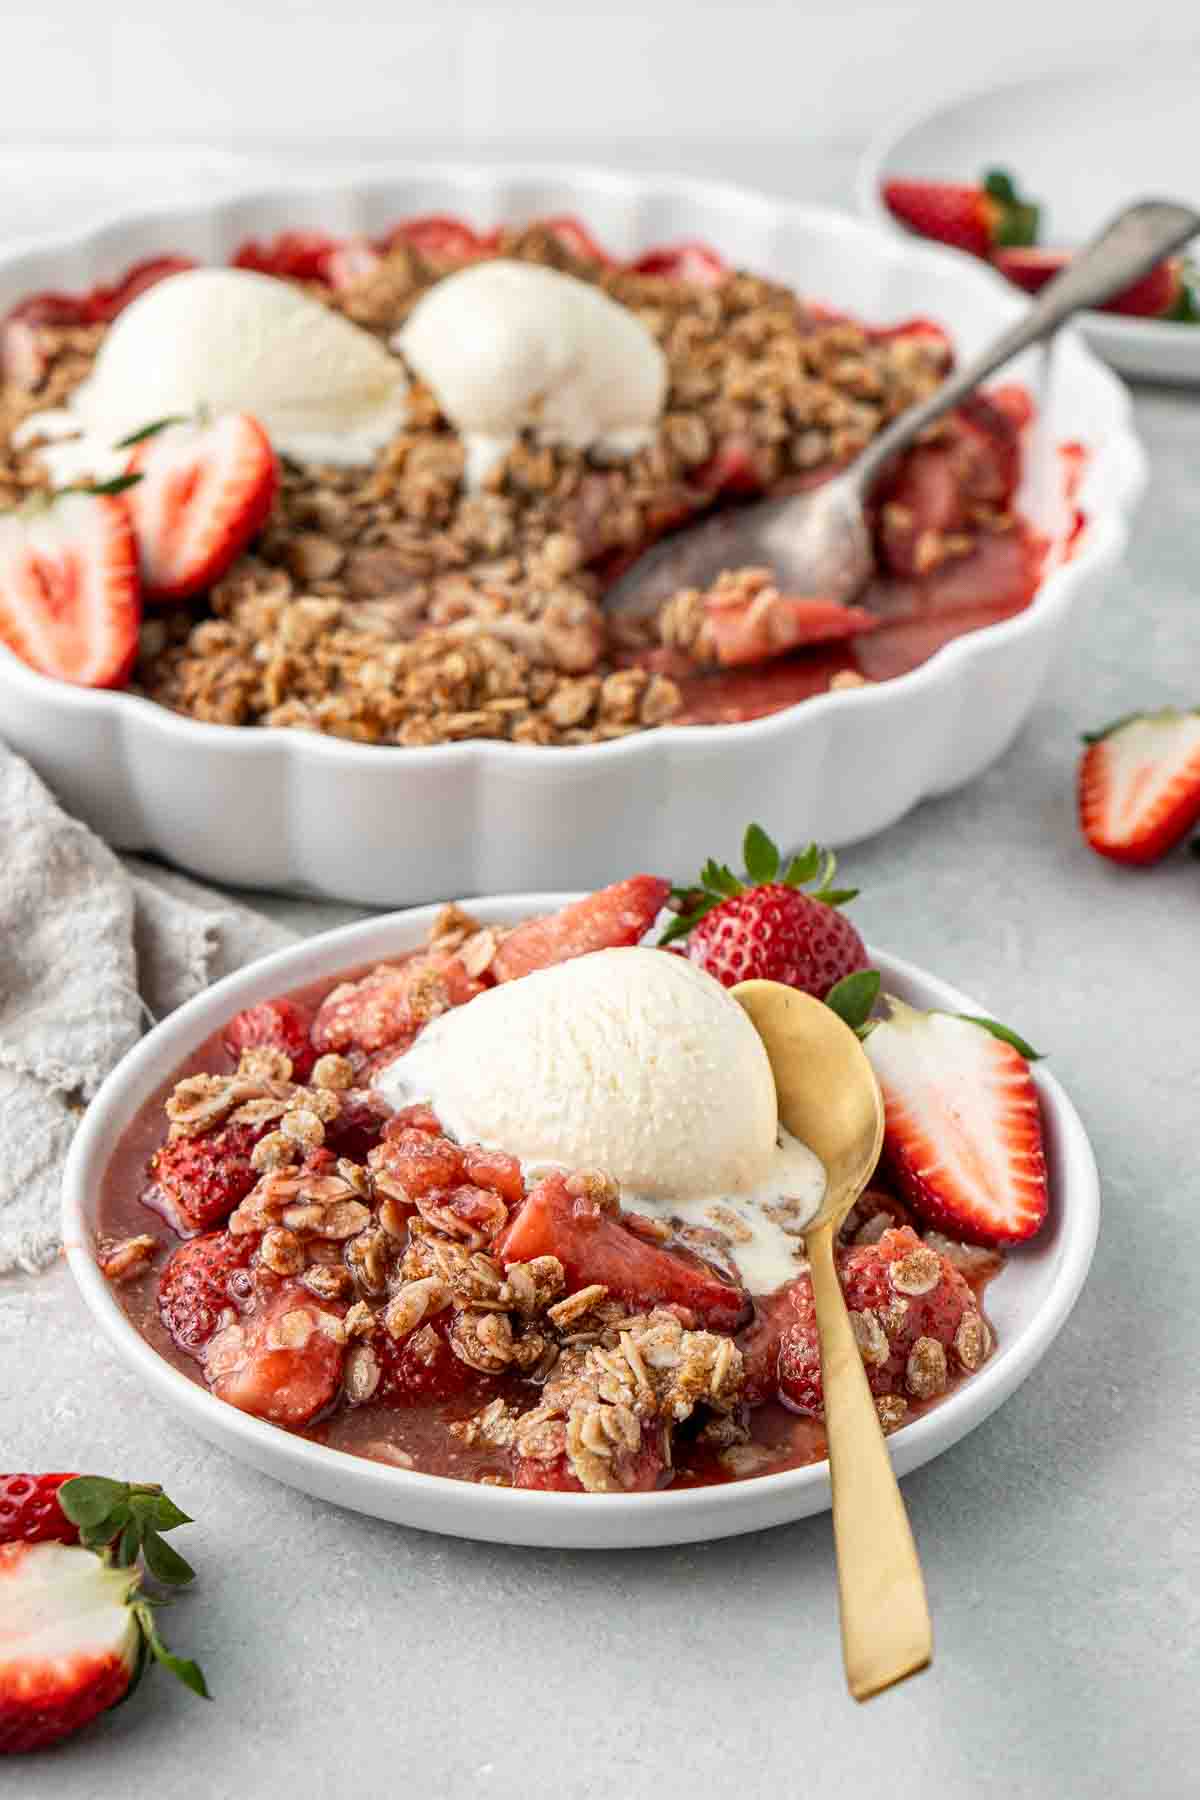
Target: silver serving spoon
819	543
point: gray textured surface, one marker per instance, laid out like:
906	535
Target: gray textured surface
1060	1539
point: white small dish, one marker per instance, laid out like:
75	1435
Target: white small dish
1084	144
386	826
1027	1303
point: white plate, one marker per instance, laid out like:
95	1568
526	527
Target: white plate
386	826
1084	144
1027	1303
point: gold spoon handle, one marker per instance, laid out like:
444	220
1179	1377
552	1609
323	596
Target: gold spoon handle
886	1632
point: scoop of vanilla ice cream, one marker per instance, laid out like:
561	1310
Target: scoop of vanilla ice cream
232	341
507	346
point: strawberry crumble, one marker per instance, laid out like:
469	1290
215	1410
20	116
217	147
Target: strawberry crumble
432	593
339	1252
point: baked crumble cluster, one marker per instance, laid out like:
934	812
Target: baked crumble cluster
343	1261
392	605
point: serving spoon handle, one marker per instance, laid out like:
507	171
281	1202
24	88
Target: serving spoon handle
886	1629
1128	248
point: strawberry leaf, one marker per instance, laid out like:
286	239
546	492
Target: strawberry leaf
1006	1035
802	868
853	997
130	1544
180	1666
149	431
88	1499
760	855
103	489
164	1563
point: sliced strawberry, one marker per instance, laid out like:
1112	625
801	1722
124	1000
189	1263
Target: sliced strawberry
273	1025
292	256
1139	785
576	239
104	303
608	919
70	603
439	238
976	219
204	1284
898	1292
388	1006
205	492
282	1362
759	626
421	1368
640	1475
963	1135
1150	298
732	468
595	1246
202	1179
693	262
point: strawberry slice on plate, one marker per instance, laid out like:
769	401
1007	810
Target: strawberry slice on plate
973	218
1139	785
690	261
608	919
963	1131
594	1244
70	601
205	491
1153	297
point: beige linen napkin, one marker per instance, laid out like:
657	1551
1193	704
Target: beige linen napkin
93	949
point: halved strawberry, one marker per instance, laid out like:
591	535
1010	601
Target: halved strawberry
1155	295
205	1283
74	1637
691	261
1139	785
205	490
282	1362
273	1025
594	1245
976	219
767	928
963	1133
202	1179
608	919
70	601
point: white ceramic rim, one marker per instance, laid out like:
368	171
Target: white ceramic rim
1100	547
1128	342
530	1516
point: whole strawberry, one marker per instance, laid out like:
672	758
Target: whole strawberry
767	927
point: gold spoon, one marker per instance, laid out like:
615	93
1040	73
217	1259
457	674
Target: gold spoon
829	1099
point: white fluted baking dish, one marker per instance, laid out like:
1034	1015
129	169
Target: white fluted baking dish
289	809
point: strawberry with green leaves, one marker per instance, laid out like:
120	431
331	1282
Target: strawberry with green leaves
979	219
76	1629
767	926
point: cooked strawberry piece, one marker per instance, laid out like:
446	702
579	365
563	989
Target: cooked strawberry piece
493	1169
576	239
439	238
205	491
204	1178
692	262
963	1132
767	927
273	1025
30	1513
362	1116
385	1009
641	1475
902	1297
759	1344
754	627
593	1245
924	496
281	1362
615	916
1139	785
70	601
731	469
104	303
419	1117
52	309
419	1161
421	1368
293	255
205	1282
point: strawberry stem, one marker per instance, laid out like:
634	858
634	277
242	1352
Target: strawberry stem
762	862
